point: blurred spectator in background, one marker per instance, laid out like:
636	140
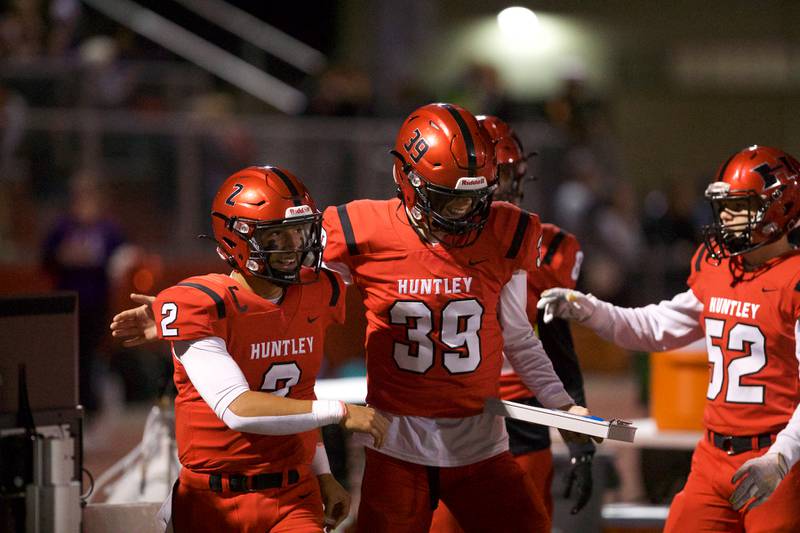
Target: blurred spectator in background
64	18
13	111
570	109
76	254
671	233
602	212
342	91
225	142
22	30
480	87
33	28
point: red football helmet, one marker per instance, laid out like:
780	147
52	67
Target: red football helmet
512	163
444	158
762	181
266	224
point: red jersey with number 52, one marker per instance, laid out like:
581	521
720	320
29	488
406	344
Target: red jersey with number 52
277	347
434	343
750	336
560	266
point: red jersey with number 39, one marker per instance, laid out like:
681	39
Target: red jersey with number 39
277	347
750	337
560	266
434	343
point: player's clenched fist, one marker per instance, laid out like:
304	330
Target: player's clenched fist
366	420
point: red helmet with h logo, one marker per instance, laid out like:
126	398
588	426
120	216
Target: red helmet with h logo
762	181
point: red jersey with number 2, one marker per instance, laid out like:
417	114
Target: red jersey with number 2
277	347
750	337
434	343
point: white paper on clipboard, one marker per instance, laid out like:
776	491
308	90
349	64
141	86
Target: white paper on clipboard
588	425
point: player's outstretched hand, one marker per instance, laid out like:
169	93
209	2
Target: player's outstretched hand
579	478
137	325
566	303
759	479
366	420
335	500
571	436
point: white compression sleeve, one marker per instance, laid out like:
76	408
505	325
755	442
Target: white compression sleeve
323	412
788	440
219	381
212	371
658	327
522	347
320	464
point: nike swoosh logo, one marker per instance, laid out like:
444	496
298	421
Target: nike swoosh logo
311	319
473	262
765	289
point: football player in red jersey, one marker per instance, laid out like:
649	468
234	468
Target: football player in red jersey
442	272
247	347
744	298
560	267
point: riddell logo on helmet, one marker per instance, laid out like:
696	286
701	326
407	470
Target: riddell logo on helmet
471	182
298	211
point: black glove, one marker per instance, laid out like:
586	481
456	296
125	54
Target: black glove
579	476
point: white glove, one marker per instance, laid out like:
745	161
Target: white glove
763	476
566	303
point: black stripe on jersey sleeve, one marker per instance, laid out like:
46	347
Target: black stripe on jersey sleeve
289	185
551	249
218	301
335	290
698	261
519	234
347	229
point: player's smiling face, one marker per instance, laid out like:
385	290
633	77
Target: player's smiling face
287	243
459	207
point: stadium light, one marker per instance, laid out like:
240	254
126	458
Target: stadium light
517	21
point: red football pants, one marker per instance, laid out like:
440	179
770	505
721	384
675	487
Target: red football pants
490	495
703	504
297	507
539	467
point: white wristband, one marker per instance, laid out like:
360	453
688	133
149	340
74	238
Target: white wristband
320	464
328	411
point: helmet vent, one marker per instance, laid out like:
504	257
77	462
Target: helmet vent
229	242
437	165
262	202
434	125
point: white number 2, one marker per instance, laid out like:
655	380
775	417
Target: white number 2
739	336
461	321
169	312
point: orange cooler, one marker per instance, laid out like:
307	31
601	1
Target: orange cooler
678	386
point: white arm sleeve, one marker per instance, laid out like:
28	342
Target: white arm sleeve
667	325
219	381
523	349
788	440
